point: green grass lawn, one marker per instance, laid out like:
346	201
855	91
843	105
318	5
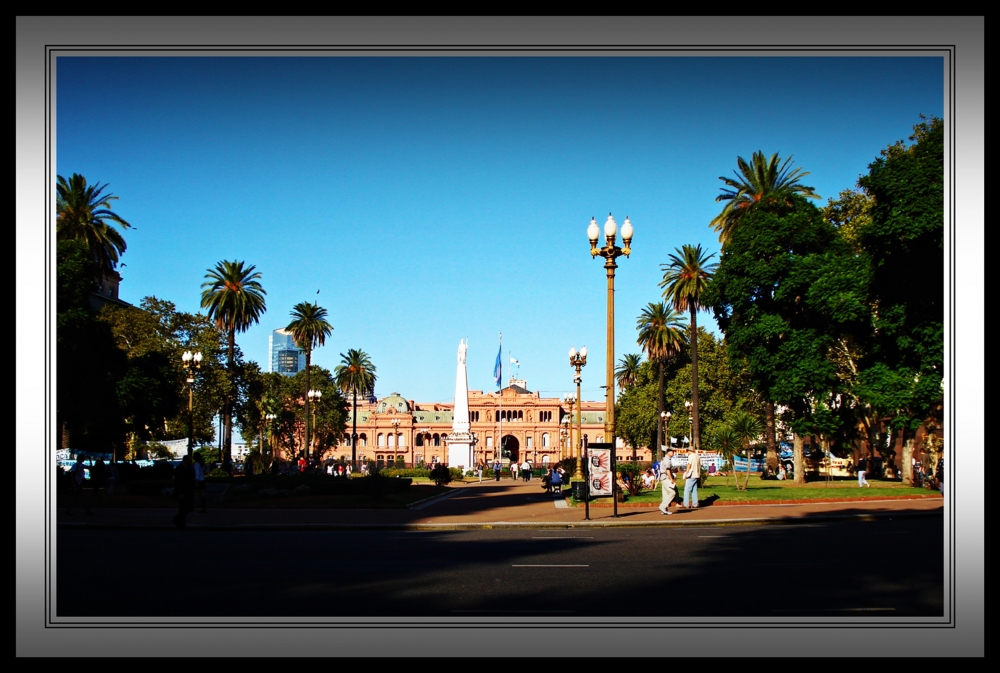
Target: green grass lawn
722	490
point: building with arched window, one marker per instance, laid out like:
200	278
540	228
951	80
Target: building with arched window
510	424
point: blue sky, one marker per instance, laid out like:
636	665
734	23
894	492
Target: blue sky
434	199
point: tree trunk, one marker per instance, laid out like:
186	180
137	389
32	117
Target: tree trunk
305	449
354	432
660	431
746	482
696	423
798	459
769	437
227	437
908	461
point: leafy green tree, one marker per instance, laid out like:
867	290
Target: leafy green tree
83	213
661	336
904	242
627	370
635	416
310	329
726	442
234	297
787	287
684	281
355	374
761	184
90	366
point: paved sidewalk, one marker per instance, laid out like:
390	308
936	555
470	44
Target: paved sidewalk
507	504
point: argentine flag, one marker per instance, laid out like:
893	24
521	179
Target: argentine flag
497	367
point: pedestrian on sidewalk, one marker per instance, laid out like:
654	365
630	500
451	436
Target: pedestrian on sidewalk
479	472
497	467
199	480
184	490
862	468
513	470
77	473
667	484
526	470
691	476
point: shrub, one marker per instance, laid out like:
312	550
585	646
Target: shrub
219	473
441	475
455	473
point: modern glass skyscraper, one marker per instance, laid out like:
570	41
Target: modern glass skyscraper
286	358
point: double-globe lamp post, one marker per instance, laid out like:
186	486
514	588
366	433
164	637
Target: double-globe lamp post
665	433
578	361
610	252
192	363
314	396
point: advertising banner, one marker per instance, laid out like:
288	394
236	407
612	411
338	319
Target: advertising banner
600	477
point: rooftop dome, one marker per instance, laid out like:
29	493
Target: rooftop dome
394	401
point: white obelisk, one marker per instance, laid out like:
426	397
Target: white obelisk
460	439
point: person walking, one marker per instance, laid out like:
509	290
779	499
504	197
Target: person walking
497	467
862	468
513	470
939	473
526	470
184	491
691	476
668	487
479	472
199	480
77	472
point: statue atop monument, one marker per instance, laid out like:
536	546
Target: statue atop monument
460	440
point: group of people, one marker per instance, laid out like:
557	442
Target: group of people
523	470
102	476
668	484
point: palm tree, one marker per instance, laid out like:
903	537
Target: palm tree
628	370
760	183
684	281
661	336
82	213
747	427
355	374
725	441
234	297
310	329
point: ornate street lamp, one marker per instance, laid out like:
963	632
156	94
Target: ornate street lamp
313	395
665	421
192	363
270	433
610	252
578	361
395	440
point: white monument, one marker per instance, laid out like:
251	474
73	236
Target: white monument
460	440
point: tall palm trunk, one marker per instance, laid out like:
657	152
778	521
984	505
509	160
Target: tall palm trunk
695	424
308	388
227	441
659	417
354	432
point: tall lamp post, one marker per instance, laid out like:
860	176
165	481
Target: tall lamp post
313	395
578	361
270	434
610	252
192	363
395	440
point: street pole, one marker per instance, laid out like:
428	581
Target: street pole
578	361
610	252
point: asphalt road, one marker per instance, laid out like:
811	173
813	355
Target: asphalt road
879	568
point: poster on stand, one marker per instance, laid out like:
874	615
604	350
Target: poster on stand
600	475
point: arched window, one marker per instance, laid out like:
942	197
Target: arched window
437	440
392	439
381	439
545	460
545	440
520	415
489	442
363	439
399	440
420	440
529	441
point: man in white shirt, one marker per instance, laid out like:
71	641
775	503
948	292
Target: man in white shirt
667	483
691	476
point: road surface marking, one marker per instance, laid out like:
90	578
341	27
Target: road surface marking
548	565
